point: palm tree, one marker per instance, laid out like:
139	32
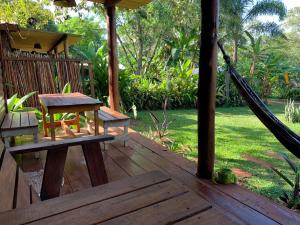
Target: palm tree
239	15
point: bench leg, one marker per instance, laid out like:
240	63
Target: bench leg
6	141
95	164
36	140
44	122
78	122
53	173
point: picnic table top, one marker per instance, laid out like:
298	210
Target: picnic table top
151	198
64	100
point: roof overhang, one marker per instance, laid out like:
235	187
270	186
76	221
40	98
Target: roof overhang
28	40
128	4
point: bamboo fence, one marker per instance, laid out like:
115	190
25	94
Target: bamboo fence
26	72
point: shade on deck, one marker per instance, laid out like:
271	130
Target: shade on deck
129	4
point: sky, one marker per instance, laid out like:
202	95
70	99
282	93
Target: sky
291	3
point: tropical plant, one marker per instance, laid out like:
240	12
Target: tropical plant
292	197
292	112
161	127
16	104
240	15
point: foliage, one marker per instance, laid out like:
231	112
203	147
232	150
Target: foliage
16	104
292	112
19	11
224	176
161	127
238	16
178	84
87	28
292	197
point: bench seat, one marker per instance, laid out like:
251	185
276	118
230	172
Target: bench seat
110	118
19	123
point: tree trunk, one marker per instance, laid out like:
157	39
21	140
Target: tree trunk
235	51
141	47
227	87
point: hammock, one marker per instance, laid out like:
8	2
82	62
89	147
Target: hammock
284	135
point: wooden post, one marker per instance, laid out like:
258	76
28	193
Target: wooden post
113	86
66	48
3	89
207	89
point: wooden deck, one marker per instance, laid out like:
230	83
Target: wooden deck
142	155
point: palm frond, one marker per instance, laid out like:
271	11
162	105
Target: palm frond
267	7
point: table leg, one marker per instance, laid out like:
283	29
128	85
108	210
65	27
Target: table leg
52	126
44	122
96	122
78	122
53	173
95	164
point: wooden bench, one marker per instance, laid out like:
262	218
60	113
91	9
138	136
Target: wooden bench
109	118
19	123
15	192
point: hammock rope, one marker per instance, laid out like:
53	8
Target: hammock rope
284	135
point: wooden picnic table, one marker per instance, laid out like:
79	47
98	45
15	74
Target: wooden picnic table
151	198
67	103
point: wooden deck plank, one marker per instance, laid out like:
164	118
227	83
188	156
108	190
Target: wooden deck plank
110	208
148	156
207	217
165	212
231	206
240	194
124	162
89	196
76	170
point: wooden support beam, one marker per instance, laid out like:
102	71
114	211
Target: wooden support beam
113	65
207	89
63	38
3	89
66	48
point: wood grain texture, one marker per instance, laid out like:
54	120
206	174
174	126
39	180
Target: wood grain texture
53	173
58	144
95	164
86	197
7	181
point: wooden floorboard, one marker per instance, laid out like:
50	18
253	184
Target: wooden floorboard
142	155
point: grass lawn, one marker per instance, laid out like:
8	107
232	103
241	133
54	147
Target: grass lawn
242	143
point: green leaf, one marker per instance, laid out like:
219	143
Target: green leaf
290	162
67	89
22	100
11	102
283	177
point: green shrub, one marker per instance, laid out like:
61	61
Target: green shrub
292	112
178	84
